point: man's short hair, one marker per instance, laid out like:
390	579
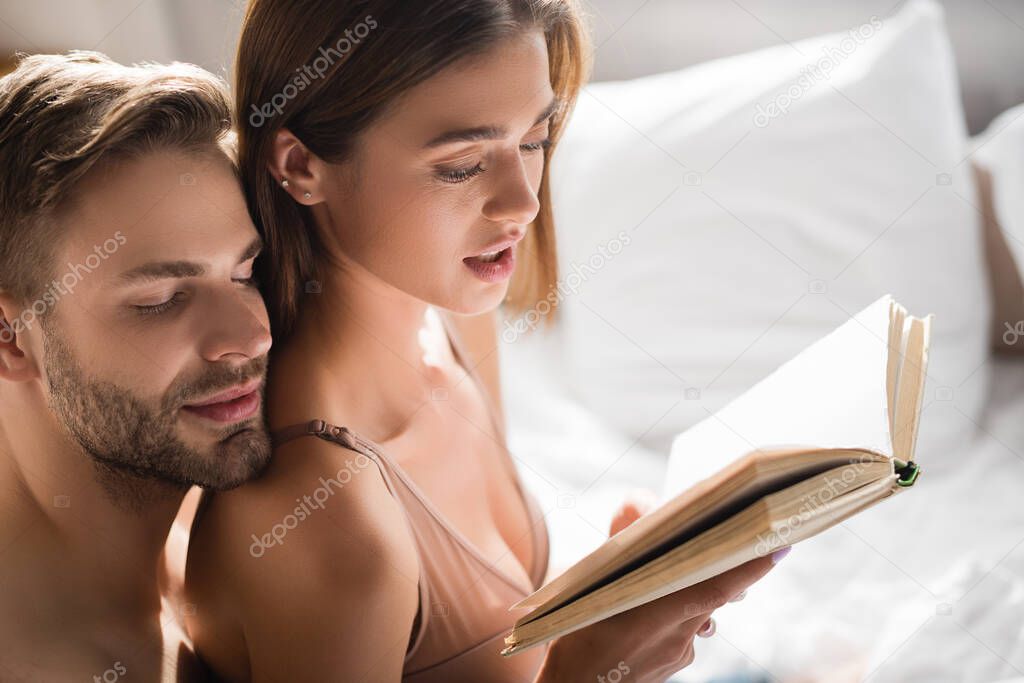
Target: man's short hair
62	115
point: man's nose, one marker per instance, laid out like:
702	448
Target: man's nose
235	326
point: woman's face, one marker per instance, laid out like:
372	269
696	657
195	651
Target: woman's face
443	187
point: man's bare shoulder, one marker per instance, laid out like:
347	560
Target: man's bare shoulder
149	650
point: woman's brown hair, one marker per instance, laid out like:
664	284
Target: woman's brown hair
327	69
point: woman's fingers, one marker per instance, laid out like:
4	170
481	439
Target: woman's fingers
701	625
683	647
707	629
656	638
707	596
718	590
638	503
624	516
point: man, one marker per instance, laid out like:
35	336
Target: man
133	351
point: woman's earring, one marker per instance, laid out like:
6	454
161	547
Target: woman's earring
307	195
284	183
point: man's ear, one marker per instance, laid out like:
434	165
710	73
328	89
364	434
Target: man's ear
297	171
16	361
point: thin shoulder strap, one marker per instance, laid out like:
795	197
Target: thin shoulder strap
325	430
344	437
292	432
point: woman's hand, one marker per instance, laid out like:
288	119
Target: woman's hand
650	642
638	503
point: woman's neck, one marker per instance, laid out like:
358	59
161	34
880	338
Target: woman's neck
362	350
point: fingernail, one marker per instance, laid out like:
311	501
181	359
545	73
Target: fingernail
780	553
708	629
739	597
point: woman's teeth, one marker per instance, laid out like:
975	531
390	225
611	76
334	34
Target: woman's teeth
490	256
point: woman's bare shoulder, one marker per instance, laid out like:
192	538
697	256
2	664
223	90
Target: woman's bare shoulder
321	517
303	569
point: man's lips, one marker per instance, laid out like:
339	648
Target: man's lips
234	405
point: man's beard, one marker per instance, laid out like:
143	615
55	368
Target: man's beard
135	445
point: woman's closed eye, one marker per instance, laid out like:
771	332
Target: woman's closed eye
461	175
536	146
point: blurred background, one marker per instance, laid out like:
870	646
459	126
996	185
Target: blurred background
634	37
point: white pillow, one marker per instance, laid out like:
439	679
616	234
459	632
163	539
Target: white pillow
1000	150
707	236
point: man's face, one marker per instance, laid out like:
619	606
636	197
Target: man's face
155	345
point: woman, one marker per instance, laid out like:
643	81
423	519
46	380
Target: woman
394	155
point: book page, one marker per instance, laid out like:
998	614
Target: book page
906	413
833	394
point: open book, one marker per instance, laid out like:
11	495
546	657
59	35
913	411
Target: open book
854	400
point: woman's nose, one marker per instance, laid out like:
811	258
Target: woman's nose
514	196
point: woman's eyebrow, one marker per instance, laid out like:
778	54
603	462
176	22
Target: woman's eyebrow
486	132
549	110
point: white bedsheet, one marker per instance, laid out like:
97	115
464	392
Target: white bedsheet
927	587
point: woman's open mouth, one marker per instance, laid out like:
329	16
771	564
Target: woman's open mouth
493	266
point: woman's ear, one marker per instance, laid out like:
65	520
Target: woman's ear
16	363
297	171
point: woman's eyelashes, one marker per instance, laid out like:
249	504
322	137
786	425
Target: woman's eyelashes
536	146
461	175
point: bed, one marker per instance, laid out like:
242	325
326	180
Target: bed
700	249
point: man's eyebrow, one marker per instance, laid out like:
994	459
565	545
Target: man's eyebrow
487	132
158	270
254	248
